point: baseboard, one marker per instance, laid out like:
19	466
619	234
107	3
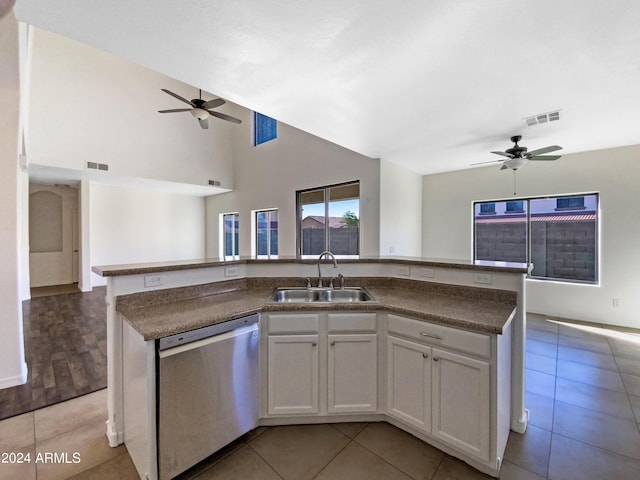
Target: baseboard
115	438
520	425
15	380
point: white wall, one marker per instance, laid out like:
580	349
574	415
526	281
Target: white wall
614	173
268	176
135	226
12	366
400	211
89	105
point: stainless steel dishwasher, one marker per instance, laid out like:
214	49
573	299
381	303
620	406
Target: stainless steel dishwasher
208	391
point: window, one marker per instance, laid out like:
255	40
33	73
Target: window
487	209
558	235
514	207
570	203
329	219
230	238
264	128
266	231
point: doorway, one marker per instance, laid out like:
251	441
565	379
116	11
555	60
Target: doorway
53	235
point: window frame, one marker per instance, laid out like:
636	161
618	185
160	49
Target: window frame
326	189
235	235
527	203
256	230
272	130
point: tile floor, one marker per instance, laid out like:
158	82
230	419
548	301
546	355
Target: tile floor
583	394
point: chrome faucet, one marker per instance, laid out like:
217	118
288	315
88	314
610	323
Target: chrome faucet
335	265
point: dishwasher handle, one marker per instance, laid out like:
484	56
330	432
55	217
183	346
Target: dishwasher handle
210	340
219	328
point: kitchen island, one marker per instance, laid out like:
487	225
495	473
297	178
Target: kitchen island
481	305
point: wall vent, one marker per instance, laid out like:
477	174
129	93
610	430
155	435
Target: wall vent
542	118
98	166
215	183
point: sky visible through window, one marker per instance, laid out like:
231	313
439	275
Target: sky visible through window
336	208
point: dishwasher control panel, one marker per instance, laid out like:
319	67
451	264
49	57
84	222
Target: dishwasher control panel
205	332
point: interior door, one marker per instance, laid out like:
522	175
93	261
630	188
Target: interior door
53	234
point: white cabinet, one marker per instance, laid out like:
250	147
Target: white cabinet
409	382
321	363
442	393
352	373
460	402
293	374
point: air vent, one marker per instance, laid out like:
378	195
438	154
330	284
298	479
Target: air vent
98	166
215	183
542	118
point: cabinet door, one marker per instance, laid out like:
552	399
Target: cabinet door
409	382
461	396
352	376
293	374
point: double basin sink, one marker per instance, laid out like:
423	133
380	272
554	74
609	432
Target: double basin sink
316	295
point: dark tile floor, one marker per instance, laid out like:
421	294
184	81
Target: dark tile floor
65	350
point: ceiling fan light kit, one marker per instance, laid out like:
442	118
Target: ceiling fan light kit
200	109
199	113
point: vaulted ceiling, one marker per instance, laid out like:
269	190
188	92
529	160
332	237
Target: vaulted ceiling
432	85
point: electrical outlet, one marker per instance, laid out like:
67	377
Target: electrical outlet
484	278
231	272
152	280
426	272
404	270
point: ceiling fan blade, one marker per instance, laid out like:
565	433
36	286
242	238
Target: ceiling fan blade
540	151
223	116
216	102
504	154
490	161
546	157
175	95
204	124
173	110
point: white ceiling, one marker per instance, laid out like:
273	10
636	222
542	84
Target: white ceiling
432	85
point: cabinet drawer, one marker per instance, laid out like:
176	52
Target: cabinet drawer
294	323
352	322
475	343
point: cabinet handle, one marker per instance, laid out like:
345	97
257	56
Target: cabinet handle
424	355
435	359
332	343
313	344
431	335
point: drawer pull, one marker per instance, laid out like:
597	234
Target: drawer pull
431	335
333	343
424	355
313	344
435	359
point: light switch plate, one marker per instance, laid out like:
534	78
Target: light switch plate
152	280
484	278
231	272
427	272
404	270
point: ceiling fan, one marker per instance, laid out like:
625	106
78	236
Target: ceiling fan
517	156
200	109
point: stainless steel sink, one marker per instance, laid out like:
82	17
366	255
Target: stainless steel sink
315	295
293	295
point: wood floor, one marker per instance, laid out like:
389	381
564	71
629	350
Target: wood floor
65	350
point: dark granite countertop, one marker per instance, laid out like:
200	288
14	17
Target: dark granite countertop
160	313
155	267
